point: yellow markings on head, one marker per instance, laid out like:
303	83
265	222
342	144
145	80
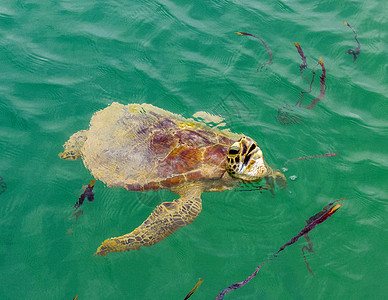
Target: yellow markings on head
320	61
239	33
297	45
346	23
92	183
251	163
69	155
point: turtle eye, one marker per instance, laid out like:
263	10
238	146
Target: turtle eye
233	152
234	149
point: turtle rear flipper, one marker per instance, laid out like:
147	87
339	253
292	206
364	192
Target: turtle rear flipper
73	147
163	221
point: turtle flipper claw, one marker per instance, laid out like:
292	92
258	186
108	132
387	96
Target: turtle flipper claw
111	245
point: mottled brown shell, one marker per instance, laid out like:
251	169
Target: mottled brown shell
142	147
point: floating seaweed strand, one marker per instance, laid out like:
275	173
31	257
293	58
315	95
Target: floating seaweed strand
315	220
261	188
285	115
309	90
270	53
309	248
311	156
194	289
304	61
323	86
77	214
311	225
88	193
357	50
253	186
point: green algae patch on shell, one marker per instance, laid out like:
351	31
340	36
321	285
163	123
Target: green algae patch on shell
145	147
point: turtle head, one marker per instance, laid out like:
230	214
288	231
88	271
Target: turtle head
245	160
73	147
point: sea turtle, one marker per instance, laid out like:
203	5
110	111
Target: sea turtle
143	147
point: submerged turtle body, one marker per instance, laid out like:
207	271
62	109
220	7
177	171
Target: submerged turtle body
142	147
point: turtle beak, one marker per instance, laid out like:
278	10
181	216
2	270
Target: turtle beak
255	168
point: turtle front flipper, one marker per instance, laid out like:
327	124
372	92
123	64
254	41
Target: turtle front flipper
73	147
275	176
163	221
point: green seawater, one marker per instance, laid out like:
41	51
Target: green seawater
63	60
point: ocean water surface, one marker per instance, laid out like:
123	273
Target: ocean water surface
61	61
